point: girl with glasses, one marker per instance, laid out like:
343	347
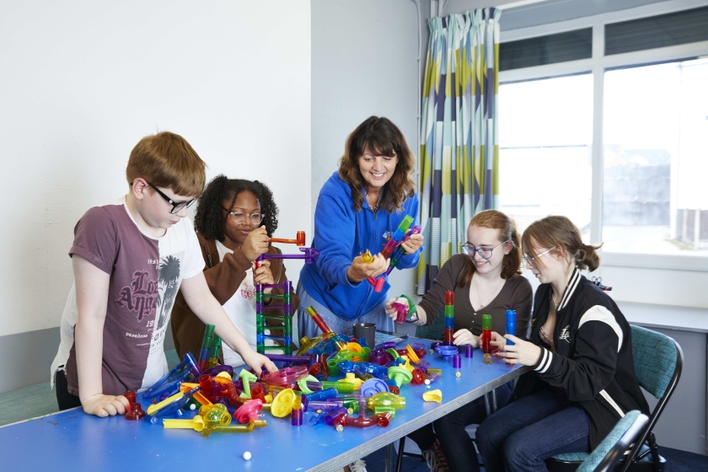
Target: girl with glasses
234	220
582	377
486	280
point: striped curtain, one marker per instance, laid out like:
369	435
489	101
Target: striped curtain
459	149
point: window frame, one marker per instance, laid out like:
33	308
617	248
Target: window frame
597	65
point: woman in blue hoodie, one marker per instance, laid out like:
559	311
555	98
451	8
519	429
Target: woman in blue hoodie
359	206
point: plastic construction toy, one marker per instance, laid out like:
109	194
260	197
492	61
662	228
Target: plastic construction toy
485	340
172	404
433	396
327	333
386	402
510	324
135	410
449	318
248	411
281	320
169	384
360	421
446	351
233	428
405	309
205	351
298	241
393	251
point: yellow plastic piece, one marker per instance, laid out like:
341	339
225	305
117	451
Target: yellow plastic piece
215	415
352	379
153	409
224	374
408	364
367	257
283	403
352	346
411	354
433	396
196	423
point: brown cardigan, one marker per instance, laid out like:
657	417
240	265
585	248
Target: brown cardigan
223	278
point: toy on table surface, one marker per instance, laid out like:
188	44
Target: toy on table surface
293	390
135	410
282	320
169	384
327	334
449	332
510	325
485	341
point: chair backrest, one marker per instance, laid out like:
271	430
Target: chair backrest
658	361
608	453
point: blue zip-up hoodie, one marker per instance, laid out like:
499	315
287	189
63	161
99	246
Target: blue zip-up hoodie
341	234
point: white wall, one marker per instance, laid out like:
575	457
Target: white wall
81	82
364	62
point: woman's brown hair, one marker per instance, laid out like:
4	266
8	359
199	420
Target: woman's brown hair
559	232
379	136
497	220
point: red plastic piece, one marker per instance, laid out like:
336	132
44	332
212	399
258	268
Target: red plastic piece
381	419
418	377
248	411
136	412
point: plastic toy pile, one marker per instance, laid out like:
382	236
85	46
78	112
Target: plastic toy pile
333	379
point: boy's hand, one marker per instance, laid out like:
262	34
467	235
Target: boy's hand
256	243
257	361
465	336
105	405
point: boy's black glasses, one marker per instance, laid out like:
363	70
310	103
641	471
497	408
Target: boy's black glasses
176	206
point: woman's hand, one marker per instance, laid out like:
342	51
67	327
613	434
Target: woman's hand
256	243
360	270
521	352
465	336
413	243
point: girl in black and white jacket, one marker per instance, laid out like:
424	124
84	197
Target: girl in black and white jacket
582	378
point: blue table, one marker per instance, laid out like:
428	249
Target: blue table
74	441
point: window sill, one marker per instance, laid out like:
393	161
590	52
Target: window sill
655	261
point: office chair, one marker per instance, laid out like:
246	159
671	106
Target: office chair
658	361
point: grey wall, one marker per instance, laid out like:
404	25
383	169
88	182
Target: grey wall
364	62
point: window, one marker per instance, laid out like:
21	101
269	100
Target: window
639	188
547	136
655	159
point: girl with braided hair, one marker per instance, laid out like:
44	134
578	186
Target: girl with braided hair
234	220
